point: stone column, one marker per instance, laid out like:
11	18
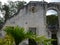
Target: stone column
58	33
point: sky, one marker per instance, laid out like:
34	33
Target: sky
50	12
5	1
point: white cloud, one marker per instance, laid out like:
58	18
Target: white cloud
50	12
5	1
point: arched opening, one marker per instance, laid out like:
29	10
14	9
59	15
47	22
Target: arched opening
52	24
52	20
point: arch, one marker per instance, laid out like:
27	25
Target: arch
49	12
54	35
53	8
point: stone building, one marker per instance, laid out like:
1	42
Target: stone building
33	16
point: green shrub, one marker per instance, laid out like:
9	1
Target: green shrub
7	40
19	34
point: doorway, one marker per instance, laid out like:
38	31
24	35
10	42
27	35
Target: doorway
32	41
54	36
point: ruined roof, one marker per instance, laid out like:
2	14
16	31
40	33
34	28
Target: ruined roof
37	2
56	3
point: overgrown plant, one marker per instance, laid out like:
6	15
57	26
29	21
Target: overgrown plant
19	34
43	40
7	40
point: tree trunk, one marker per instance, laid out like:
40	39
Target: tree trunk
17	43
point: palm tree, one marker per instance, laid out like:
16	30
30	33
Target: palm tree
19	34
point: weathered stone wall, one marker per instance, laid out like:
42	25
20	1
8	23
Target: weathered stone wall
29	19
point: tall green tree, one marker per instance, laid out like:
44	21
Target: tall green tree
12	8
52	19
6	8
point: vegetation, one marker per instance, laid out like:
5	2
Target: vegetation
7	40
52	19
15	6
19	34
11	8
